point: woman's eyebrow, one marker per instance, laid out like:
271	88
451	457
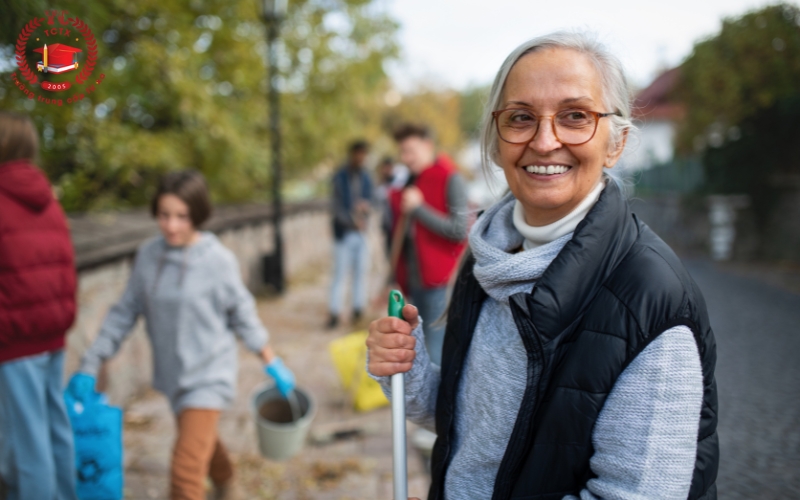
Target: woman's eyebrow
568	100
577	100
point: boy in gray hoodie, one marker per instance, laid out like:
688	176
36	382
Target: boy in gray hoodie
187	286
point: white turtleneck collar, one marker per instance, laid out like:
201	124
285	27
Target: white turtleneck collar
538	236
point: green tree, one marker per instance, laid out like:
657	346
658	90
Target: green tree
473	101
454	117
752	63
741	90
437	109
764	162
185	86
16	12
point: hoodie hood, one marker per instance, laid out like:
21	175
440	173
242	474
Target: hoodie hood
183	257
22	181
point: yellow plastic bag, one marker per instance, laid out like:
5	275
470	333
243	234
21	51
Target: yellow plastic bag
349	355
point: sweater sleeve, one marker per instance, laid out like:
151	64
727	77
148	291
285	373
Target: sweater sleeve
645	438
454	224
241	309
421	384
117	325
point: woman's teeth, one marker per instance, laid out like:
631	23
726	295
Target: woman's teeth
548	170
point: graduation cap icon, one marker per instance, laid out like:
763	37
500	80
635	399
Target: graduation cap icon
57	58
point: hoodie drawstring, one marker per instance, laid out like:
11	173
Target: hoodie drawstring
162	260
183	268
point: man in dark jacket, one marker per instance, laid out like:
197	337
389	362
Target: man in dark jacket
352	196
37	306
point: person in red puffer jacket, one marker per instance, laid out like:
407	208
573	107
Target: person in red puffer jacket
37	307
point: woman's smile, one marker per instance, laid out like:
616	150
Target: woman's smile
547	171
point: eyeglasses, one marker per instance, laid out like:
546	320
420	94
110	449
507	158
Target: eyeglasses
572	127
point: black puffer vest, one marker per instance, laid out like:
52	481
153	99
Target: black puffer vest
610	292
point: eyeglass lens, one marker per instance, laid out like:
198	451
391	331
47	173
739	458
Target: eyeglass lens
572	126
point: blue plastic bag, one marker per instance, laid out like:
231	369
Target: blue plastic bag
97	431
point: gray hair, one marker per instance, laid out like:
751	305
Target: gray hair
616	92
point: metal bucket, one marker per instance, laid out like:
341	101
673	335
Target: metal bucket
279	436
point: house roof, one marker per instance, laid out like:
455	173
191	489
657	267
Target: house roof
655	102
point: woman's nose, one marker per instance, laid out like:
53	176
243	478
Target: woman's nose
545	140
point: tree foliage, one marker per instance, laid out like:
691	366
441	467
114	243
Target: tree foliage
453	117
751	64
764	161
438	109
185	86
473	102
741	90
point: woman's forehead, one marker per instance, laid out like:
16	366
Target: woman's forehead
170	201
553	77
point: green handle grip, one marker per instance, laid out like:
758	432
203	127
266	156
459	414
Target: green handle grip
396	303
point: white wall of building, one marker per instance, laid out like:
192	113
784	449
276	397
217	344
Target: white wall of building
650	145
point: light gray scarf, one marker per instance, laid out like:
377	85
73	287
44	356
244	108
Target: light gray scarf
493	241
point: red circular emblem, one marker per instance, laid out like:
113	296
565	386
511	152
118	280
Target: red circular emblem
53	38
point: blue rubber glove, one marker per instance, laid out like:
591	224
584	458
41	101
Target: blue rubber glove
284	378
80	386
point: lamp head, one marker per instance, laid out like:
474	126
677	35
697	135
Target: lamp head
274	10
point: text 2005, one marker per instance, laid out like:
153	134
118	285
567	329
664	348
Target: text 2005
55	87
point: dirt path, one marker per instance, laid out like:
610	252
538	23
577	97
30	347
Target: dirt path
353	468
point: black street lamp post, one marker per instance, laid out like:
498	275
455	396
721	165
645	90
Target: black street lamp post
274	12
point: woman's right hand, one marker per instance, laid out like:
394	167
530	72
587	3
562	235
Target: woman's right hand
391	345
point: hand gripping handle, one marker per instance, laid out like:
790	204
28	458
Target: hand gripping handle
399	452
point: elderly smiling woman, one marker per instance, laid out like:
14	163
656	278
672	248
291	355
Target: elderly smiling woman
578	358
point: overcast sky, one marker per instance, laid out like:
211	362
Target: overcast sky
456	43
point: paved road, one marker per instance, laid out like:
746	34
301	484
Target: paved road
757	327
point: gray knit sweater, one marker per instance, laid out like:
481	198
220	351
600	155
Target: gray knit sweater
195	305
645	436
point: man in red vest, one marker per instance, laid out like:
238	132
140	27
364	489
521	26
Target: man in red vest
432	208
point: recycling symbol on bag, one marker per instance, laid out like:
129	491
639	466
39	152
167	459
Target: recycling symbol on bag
89	471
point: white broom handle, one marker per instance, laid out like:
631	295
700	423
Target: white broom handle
399	437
